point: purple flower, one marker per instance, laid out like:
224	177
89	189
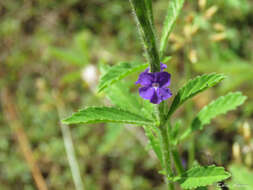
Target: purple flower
154	85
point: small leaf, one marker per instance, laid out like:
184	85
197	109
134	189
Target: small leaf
174	10
118	93
193	87
106	115
118	72
202	176
120	96
215	108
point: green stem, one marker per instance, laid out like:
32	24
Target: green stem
166	150
143	15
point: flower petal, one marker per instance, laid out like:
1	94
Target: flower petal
164	93
163	66
146	92
162	78
145	79
155	99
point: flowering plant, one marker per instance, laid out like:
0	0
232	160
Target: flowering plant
154	85
154	117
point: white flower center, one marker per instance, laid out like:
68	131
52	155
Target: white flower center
155	85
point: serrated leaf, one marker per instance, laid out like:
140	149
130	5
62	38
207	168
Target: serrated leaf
202	176
120	96
118	93
193	87
215	108
118	72
106	115
174	10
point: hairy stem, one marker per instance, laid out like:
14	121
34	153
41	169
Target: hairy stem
166	150
143	15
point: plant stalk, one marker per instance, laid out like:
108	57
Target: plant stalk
143	15
166	150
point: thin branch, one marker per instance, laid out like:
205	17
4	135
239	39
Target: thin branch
68	142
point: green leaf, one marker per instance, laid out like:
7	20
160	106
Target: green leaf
106	115
215	108
118	93
120	96
202	176
142	10
118	72
241	178
193	87
174	10
154	141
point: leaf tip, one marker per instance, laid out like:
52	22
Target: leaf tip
65	121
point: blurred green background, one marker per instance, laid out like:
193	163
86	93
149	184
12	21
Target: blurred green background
51	53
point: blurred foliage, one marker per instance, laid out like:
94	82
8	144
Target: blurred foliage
47	47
